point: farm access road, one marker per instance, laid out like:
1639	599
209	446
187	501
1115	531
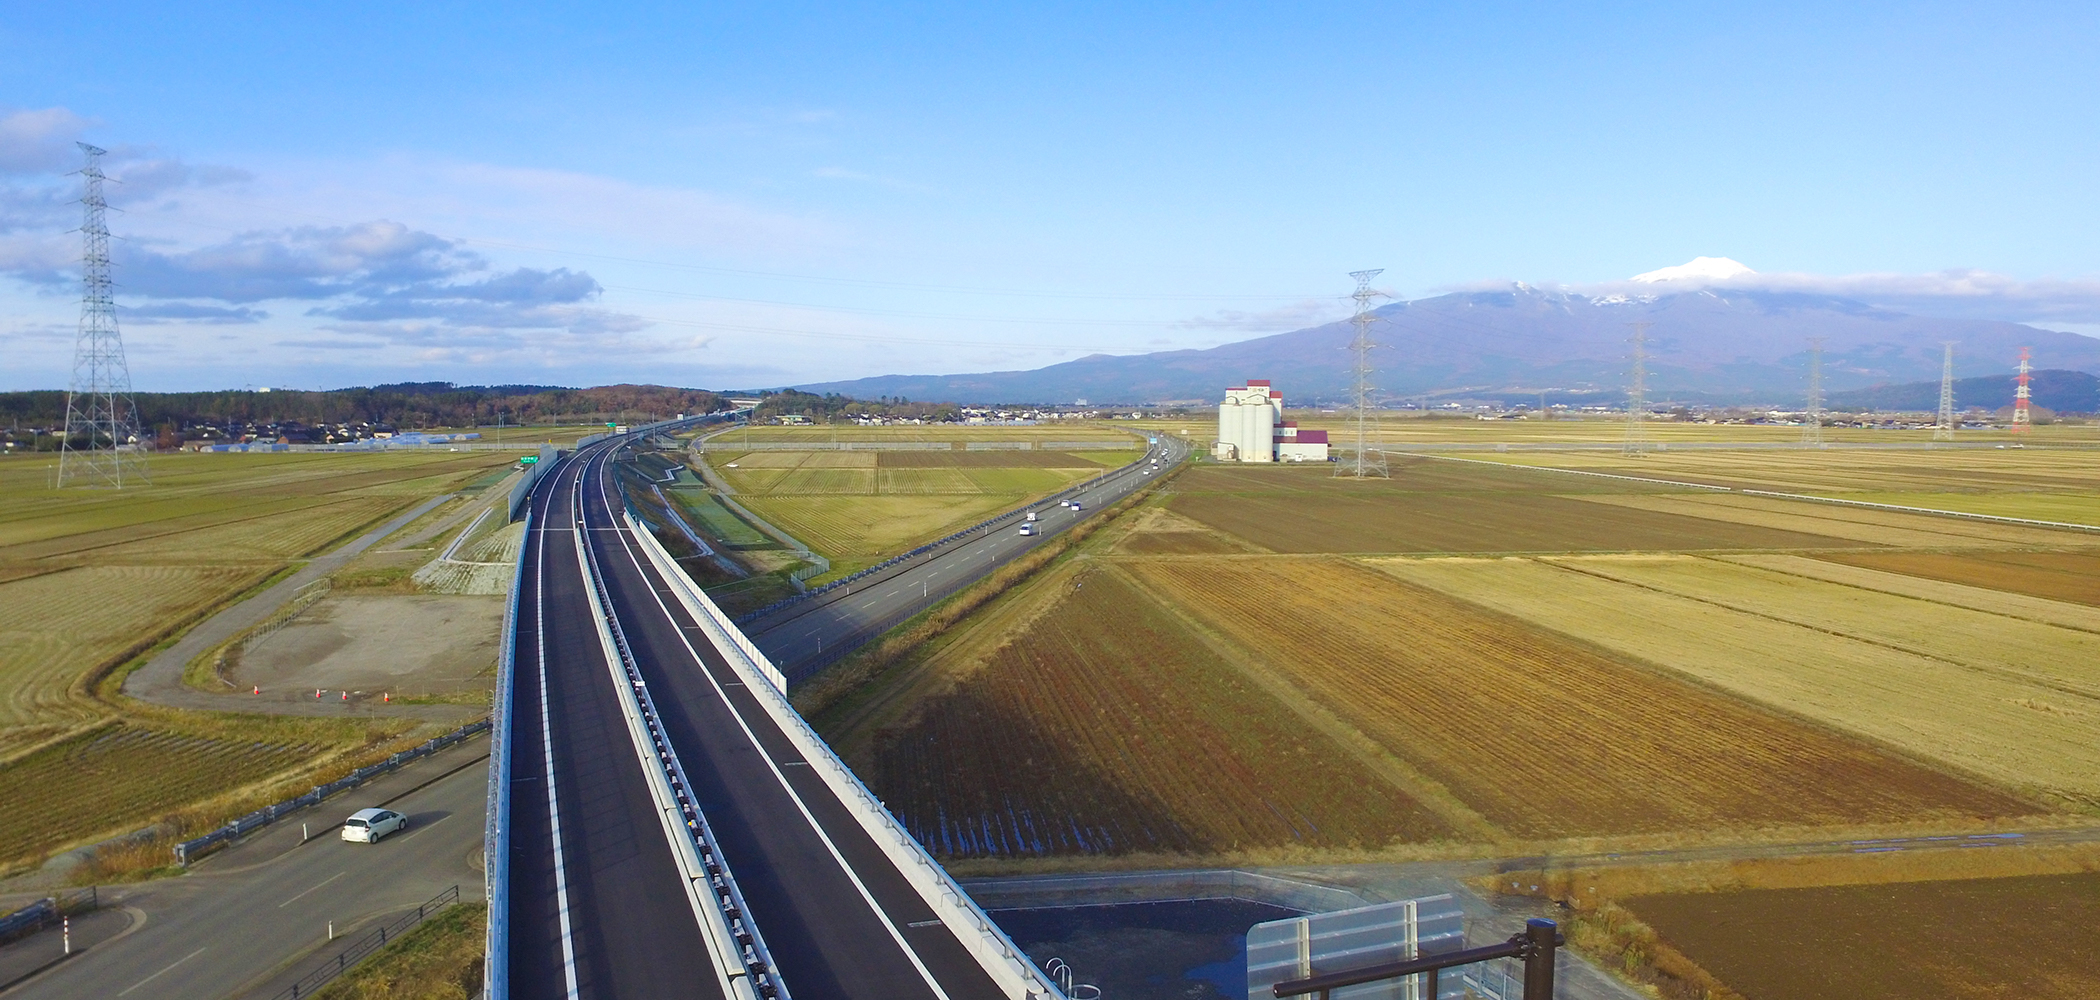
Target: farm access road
248	920
160	680
805	632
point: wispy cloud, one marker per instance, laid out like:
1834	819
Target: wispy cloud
1296	316
1963	293
190	312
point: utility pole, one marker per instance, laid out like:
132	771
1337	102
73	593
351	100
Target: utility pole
1363	466
99	410
1812	429
1637	390
1944	431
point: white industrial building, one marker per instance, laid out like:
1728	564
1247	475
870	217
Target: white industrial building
1251	428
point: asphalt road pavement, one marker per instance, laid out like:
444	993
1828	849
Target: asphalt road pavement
804	633
249	919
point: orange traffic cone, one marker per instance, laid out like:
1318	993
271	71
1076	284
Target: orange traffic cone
258	689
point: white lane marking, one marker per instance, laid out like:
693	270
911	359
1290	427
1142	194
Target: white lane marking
800	806
163	972
303	895
561	873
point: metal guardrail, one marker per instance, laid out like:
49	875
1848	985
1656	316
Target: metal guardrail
1536	947
191	850
307	985
495	834
729	929
521	494
47	911
990	946
894	561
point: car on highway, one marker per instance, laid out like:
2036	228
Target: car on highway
1076	506
1028	529
368	825
1031	515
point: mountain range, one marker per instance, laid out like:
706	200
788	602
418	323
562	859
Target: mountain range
1703	344
2061	391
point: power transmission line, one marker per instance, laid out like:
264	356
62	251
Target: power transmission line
1637	390
1812	429
1362	465
1944	430
101	446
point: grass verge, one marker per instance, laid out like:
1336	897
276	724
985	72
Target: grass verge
909	640
441	959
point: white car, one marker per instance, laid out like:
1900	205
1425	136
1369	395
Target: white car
1076	506
368	825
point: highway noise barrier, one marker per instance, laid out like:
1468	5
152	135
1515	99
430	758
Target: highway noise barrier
739	951
191	850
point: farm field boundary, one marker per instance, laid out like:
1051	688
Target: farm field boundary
1804	497
1857	526
1413	674
2034	735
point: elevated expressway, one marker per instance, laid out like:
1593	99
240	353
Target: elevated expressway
662	824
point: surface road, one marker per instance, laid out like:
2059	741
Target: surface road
596	910
801	633
249	919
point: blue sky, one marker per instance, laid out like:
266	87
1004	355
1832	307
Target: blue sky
766	194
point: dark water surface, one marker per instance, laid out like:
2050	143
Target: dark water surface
1192	950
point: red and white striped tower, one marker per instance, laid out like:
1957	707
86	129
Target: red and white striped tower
2021	418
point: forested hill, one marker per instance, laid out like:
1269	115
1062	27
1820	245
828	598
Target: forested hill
407	405
2062	391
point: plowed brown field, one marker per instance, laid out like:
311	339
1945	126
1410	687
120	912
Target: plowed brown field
2033	937
2059	576
1177	543
1544	736
1448	507
1106	727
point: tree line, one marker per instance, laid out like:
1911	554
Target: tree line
407	405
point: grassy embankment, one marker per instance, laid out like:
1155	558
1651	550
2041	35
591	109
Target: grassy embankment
441	959
94	581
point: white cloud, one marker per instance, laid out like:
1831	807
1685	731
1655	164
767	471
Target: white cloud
1963	293
39	141
1296	316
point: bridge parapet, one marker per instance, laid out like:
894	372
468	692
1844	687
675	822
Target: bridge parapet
1001	959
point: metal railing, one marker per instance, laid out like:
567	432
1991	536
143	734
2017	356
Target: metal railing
728	925
521	493
994	951
191	850
1536	947
495	834
307	985
47	911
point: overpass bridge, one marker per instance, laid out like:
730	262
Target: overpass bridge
663	824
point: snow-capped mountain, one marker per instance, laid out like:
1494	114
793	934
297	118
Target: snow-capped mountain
1699	269
1705	341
